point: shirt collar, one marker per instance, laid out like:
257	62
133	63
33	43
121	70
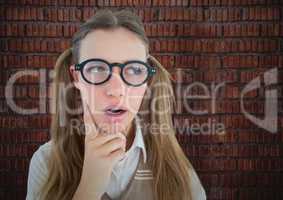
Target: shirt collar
138	141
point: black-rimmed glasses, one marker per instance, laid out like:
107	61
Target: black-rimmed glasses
97	71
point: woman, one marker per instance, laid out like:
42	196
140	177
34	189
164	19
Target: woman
126	148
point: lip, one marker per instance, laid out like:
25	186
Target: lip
114	118
116	106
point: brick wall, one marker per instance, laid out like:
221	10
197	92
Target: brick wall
228	42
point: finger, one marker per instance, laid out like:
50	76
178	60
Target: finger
111	146
91	130
116	156
102	139
122	136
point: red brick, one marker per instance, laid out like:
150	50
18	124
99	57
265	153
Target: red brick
260	13
235	121
184	61
218	165
210	180
244	61
228	106
268	61
240	30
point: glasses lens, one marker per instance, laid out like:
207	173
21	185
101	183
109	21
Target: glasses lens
135	73
96	71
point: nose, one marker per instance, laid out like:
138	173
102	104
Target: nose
115	86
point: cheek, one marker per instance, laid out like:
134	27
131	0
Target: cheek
134	98
89	94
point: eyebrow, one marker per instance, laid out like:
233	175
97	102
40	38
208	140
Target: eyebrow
115	61
125	60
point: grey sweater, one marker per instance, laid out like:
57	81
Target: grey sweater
140	187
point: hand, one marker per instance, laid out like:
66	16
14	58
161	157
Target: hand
102	151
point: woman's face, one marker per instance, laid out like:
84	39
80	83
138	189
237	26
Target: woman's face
115	45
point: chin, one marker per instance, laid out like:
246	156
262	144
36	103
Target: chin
115	127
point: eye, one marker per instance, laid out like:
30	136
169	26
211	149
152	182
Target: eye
135	70
96	68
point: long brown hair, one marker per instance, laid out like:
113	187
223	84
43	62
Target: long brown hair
168	162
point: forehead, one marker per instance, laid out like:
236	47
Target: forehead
113	45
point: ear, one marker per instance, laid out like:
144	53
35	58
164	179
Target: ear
75	76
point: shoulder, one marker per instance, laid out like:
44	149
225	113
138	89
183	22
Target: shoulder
41	154
198	192
38	169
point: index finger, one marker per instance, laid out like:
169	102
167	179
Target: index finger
91	130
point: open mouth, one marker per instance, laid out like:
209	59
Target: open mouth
115	112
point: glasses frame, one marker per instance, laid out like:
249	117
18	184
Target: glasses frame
80	67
